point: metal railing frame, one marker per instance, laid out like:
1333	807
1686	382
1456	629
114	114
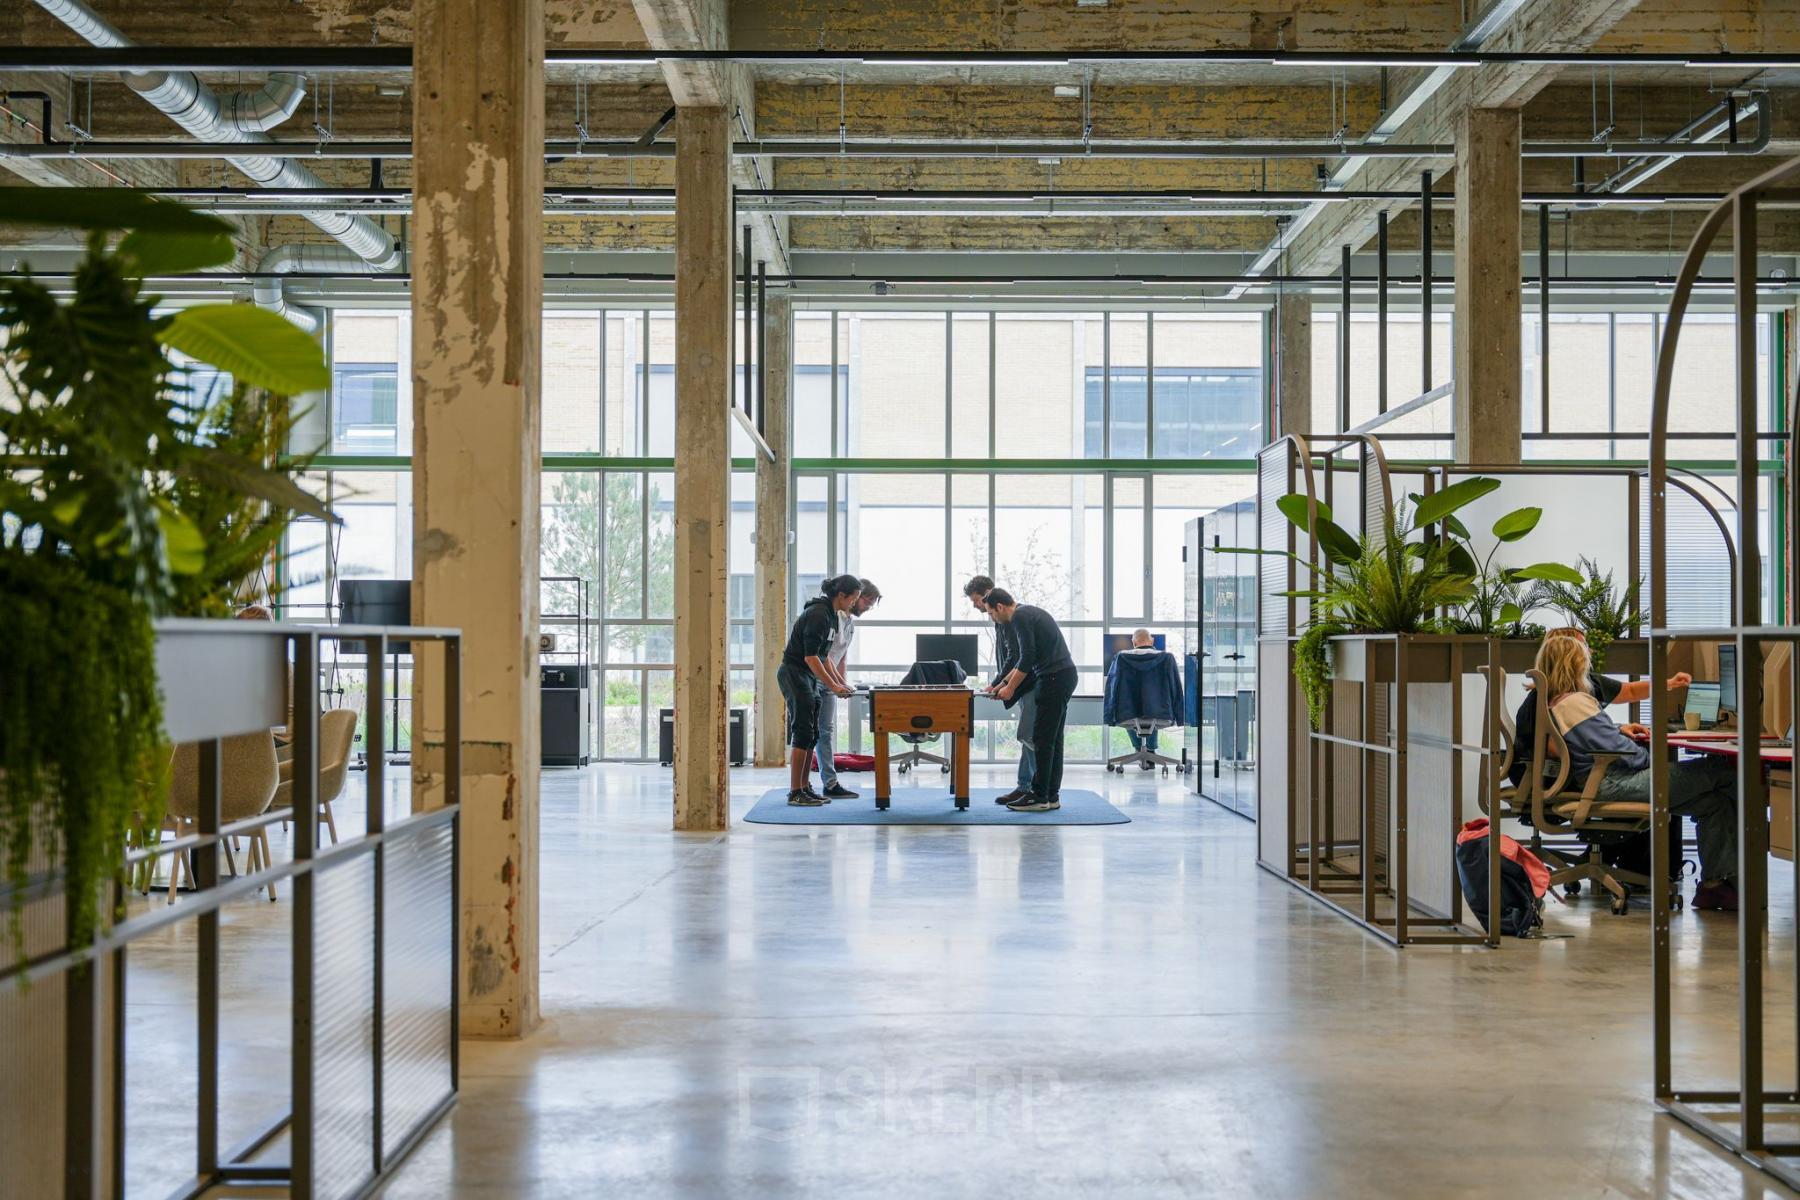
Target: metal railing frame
95	1099
1751	1097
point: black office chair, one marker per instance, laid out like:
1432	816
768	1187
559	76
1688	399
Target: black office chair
942	672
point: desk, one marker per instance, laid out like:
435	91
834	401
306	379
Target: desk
1727	745
923	708
1779	762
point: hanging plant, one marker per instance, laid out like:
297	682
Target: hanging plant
100	440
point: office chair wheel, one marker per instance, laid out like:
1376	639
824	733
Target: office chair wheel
1165	772
1675	899
1621	905
943	770
903	768
1572	890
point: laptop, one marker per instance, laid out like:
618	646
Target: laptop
1703	699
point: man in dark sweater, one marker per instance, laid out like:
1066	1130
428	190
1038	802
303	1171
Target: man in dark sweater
1043	657
804	676
1006	653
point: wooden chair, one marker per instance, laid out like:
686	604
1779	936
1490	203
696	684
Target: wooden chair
248	774
337	738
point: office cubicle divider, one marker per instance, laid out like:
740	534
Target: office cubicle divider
1330	808
1710	1110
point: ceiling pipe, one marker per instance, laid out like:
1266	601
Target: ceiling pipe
582	201
388	59
921	148
241	120
267	289
1717	122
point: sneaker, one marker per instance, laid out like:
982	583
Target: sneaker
838	791
1720	897
1012	797
806	798
1035	804
1148	766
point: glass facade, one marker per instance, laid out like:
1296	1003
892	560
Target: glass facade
1062	453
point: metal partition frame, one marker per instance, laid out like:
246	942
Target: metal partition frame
1752	1098
1301	821
219	679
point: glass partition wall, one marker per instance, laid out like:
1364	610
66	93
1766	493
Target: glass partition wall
1062	453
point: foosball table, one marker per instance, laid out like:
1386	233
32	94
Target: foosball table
923	709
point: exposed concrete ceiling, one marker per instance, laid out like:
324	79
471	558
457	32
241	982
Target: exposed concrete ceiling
1124	102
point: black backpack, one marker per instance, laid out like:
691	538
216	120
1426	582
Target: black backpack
1520	909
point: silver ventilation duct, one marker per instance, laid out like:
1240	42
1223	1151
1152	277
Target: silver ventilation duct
303	259
242	118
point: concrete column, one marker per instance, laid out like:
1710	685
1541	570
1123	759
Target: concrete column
477	308
1488	391
1293	366
703	388
772	484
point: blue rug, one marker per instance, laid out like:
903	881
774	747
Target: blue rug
932	806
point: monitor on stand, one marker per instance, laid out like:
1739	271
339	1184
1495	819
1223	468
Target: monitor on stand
965	648
379	602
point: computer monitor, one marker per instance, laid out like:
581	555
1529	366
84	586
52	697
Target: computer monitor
965	648
1703	698
1728	684
374	602
1118	643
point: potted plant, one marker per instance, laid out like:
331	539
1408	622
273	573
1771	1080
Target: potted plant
105	449
1590	599
1417	574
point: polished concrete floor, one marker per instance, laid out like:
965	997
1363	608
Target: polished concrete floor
1130	1010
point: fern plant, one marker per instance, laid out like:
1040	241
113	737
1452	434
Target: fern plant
101	444
1592	601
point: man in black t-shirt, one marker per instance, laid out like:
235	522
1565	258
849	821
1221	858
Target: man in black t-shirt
805	674
1043	658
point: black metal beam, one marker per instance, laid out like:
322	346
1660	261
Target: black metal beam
1343	346
1425	282
1381	311
1544	318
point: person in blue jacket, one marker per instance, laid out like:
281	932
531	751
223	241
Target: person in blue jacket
1155	690
1143	682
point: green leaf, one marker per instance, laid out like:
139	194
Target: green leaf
104	209
229	471
253	344
1456	527
1337	544
1511	614
1294	507
1553	572
156	252
1517	523
1461	562
1302	594
185	547
1438	505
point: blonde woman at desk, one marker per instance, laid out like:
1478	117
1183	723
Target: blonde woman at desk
1704	789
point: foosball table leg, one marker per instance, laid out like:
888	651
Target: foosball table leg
883	786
